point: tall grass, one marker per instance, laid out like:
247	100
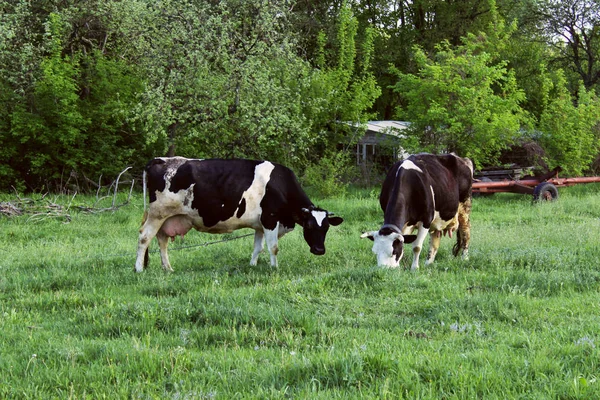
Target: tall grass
519	319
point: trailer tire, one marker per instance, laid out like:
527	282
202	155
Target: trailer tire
545	191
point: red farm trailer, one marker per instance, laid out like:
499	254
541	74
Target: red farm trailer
542	188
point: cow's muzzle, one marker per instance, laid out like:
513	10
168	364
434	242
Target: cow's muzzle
318	252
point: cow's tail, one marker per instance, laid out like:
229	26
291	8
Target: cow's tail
144	185
458	245
145	217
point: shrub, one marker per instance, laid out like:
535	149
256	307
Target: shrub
329	176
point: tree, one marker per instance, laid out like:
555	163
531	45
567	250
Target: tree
344	81
463	99
570	132
223	81
67	101
21	49
573	30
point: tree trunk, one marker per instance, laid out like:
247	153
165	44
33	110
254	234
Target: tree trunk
171	134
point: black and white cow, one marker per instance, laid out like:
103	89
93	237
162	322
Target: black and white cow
220	196
429	193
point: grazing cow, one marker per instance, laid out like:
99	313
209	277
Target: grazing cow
430	193
220	196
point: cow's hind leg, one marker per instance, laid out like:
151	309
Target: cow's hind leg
147	233
272	245
163	244
464	230
435	239
259	243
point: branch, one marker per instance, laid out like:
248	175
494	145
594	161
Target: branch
41	209
117	185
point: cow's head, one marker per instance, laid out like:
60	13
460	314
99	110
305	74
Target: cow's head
388	244
315	223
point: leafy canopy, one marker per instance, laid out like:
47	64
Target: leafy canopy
463	99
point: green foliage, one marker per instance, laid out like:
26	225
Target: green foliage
71	118
462	100
223	81
569	132
51	124
344	85
75	120
330	175
88	88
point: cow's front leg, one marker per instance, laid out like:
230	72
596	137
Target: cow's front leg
272	245
259	242
163	244
147	233
435	238
417	246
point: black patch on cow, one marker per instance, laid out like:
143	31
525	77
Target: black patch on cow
386	230
155	172
398	249
218	186
241	208
284	200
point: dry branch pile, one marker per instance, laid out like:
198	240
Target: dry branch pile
37	209
42	208
9	209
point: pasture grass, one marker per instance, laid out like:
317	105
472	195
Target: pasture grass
519	319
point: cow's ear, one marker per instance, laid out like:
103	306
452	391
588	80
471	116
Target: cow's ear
335	221
370	235
409	238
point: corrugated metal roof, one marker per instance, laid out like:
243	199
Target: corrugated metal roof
389	127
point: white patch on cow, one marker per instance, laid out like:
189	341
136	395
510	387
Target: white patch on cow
259	242
408	164
255	193
438	224
432	196
173	164
271	237
252	196
168	203
408	229
319	216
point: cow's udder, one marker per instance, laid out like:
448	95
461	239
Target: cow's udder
178	225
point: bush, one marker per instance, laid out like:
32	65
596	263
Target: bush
330	176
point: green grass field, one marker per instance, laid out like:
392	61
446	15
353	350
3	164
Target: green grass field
519	319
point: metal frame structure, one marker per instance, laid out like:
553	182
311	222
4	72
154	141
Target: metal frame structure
541	188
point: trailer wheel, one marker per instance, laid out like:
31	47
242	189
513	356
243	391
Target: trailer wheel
545	191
